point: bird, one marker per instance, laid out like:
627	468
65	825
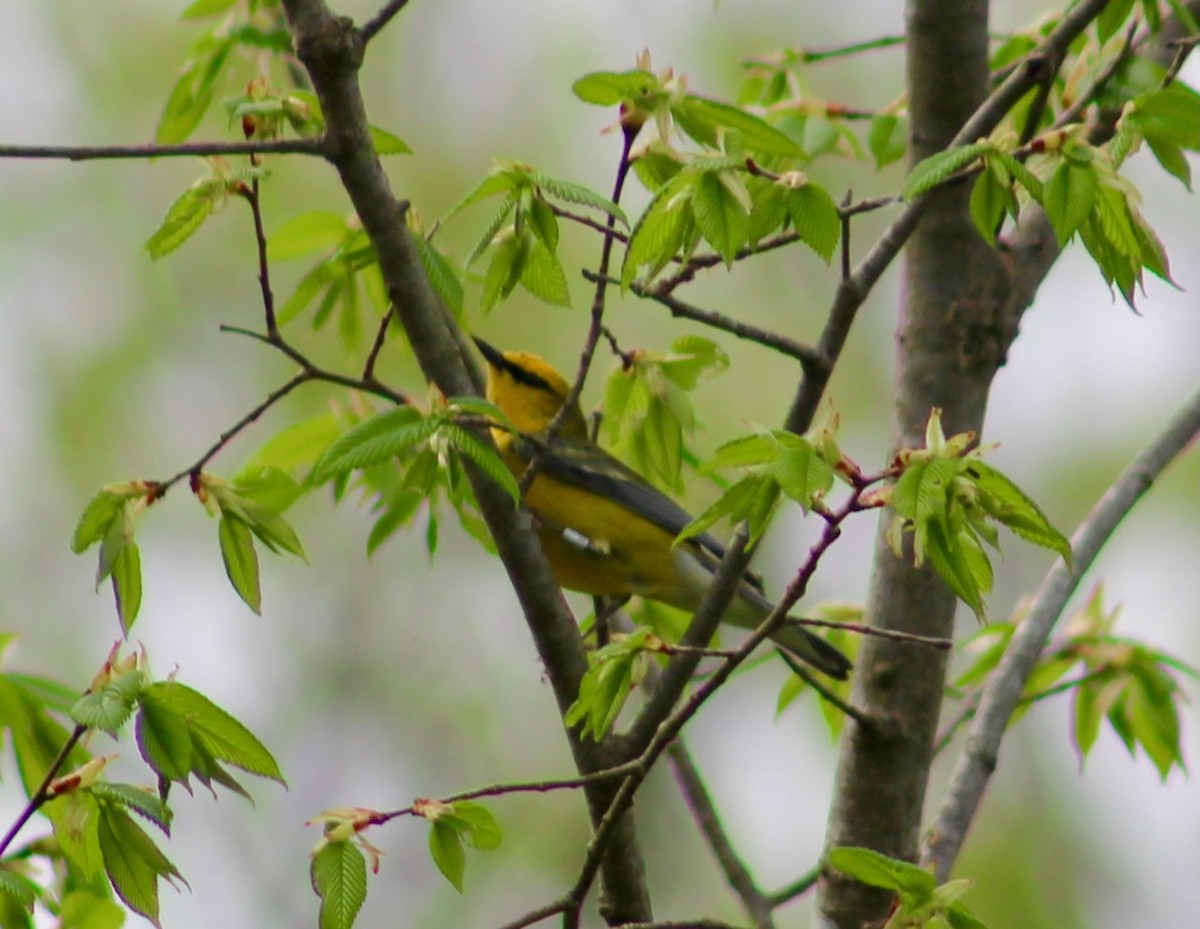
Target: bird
607	531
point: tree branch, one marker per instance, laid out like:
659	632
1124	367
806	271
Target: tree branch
317	146
1006	683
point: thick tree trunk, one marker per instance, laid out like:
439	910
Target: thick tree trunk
950	342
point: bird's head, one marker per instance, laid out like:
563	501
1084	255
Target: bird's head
529	390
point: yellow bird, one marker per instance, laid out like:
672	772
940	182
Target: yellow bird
605	530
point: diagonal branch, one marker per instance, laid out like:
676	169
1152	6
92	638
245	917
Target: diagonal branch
1005	685
317	146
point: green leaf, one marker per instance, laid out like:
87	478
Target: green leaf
878	870
201	8
1005	502
76	817
939	168
886	139
803	474
138	799
339	877
1112	17
83	910
446	849
314	231
606	685
991	199
163	737
544	277
218	732
443	275
185	216
1069	196
961	563
388	143
577	194
498	181
192	94
268	526
815	217
504	270
109	707
133	862
1170	114
241	560
19	889
1172	159
476	822
271	486
485	457
127	584
380	438
735	503
720	215
117	537
704	120
297	446
660	232
608	88
96	518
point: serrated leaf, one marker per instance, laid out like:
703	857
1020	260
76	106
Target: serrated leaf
443	276
544	277
702	119
1170	114
339	877
1172	159
240	560
608	88
960	562
271	486
109	707
163	738
815	217
297	446
720	216
577	194
936	169
226	738
485	457
498	181
184	217
746	451
380	438
133	862
1005	502
803	474
1068	197
76	818
19	889
446	849
95	520
660	231
388	143
137	799
735	504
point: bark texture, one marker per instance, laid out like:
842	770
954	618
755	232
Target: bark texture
950	341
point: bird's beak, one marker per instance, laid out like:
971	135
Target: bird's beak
492	355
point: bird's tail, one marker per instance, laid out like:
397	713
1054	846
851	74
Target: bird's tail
816	651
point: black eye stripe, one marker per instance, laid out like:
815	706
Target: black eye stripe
526	377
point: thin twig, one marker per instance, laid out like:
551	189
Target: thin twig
42	794
847	708
264	275
932	641
372	26
316	146
704	812
368	374
499	790
605	229
805	354
1004	687
800	886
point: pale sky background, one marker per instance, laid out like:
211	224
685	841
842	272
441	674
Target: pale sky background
376	682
